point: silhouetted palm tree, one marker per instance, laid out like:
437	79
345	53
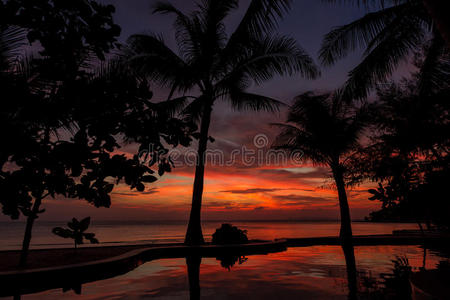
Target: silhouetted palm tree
326	130
388	35
218	67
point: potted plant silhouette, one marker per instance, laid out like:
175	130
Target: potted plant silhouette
76	231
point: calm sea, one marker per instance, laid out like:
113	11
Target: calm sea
112	233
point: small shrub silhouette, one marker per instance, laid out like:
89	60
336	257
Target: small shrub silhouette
229	234
76	231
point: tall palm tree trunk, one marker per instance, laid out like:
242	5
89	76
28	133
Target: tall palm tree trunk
194	235
439	10
346	233
28	232
346	223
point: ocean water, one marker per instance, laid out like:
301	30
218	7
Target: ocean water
112	233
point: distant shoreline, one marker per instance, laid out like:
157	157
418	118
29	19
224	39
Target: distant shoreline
209	221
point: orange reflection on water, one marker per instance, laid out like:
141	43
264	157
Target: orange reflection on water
308	273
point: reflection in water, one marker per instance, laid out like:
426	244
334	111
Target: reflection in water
350	262
193	270
390	285
318	272
229	261
424	261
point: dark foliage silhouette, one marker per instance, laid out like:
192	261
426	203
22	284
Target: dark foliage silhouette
408	153
78	29
63	120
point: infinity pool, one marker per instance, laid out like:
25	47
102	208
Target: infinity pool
298	273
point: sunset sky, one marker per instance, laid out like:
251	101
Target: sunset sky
237	191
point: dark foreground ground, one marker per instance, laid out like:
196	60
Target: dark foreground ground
58	257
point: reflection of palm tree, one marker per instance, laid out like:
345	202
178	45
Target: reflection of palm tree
193	267
219	67
326	130
352	275
388	35
424	257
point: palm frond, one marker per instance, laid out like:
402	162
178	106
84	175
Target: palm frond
213	36
277	55
213	12
435	69
171	107
110	69
382	60
293	139
307	102
367	3
323	127
344	39
193	111
12	39
410	11
187	30
150	56
241	100
262	17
